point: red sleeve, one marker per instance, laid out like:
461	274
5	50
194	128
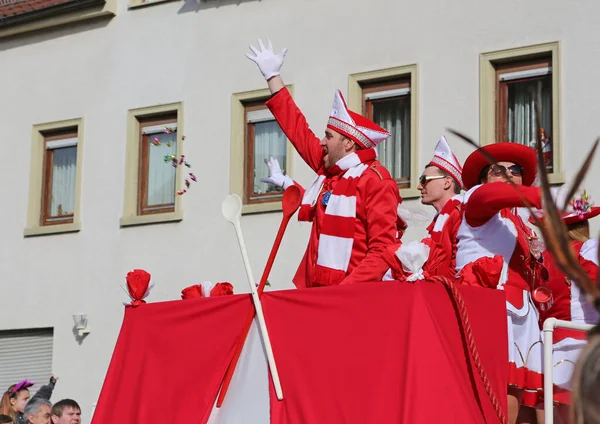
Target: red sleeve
589	267
454	224
293	124
489	199
381	206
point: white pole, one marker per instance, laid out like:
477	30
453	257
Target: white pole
232	209
548	329
260	315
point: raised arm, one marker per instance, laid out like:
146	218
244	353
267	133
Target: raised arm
288	116
45	392
489	199
295	127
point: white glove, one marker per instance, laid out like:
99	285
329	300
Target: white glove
276	177
268	62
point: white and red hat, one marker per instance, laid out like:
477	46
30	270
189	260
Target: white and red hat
444	159
354	126
580	208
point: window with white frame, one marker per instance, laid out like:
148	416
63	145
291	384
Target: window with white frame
263	139
388	104
524	103
157	175
59	177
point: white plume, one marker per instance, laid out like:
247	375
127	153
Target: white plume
416	217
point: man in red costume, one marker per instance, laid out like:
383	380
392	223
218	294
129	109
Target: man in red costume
440	185
352	202
494	240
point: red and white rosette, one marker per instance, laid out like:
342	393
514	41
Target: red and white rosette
207	289
139	285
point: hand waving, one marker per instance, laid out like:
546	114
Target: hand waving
276	177
268	62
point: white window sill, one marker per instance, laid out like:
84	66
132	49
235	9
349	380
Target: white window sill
52	229
556	178
129	221
409	193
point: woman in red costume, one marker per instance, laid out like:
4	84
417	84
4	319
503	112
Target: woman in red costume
493	237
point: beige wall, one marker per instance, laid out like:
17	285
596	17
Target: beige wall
190	53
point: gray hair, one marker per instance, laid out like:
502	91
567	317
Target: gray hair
33	406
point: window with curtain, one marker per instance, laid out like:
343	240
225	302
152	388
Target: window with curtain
388	105
157	176
264	139
524	104
60	170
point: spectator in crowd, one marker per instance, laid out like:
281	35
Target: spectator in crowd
5	419
37	411
17	396
66	411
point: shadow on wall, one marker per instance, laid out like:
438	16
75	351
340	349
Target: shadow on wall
24	39
198	5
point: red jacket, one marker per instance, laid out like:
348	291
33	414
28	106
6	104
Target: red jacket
443	230
376	202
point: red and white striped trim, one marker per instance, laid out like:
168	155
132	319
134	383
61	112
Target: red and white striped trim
350	131
337	236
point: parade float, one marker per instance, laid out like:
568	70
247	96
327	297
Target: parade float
399	351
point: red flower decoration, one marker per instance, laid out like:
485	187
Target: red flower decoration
197	290
192	291
484	272
222	289
138	281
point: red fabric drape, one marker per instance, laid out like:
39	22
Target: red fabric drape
169	361
367	353
385	353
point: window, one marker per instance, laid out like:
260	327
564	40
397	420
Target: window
388	105
153	135
516	86
55	178
525	89
389	98
26	354
255	136
60	167
158	140
264	139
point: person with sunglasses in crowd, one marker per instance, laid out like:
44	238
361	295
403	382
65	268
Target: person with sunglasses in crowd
352	202
492	234
17	396
440	185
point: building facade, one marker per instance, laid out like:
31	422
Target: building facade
98	97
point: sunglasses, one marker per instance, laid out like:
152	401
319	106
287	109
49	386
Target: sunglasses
424	179
515	170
